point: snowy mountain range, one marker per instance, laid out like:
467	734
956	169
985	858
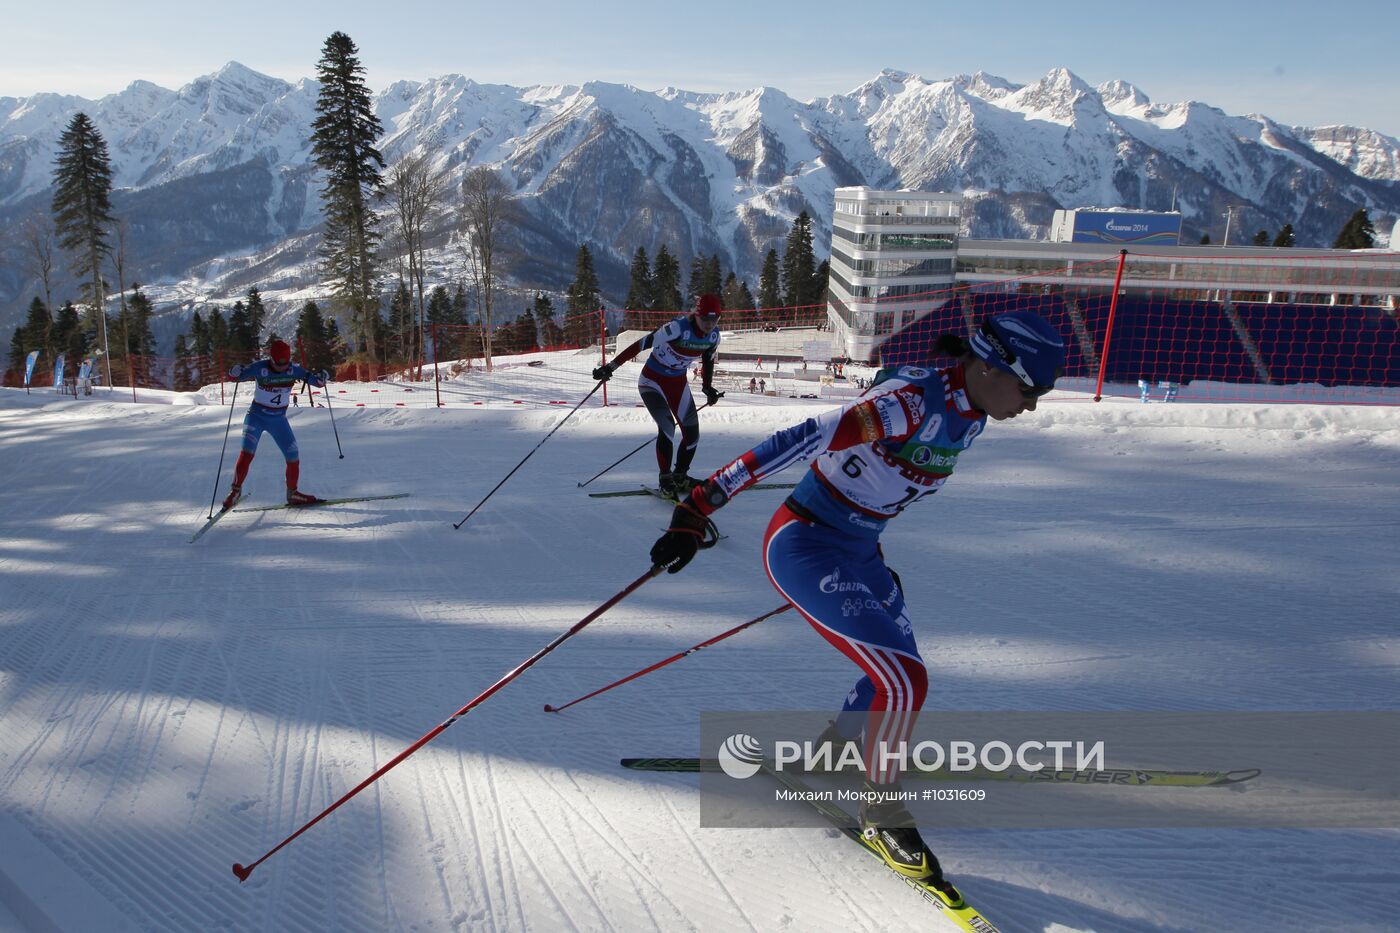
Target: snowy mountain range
219	192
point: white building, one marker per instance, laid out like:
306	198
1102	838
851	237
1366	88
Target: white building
892	252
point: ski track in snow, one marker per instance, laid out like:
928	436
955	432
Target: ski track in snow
172	708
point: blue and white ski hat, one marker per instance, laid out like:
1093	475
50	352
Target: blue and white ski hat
1024	344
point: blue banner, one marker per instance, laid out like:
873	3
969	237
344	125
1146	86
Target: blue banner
29	362
58	373
85	370
1126	227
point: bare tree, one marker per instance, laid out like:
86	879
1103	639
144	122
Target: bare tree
37	238
487	211
415	192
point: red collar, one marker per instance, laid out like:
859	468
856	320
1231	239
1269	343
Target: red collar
955	393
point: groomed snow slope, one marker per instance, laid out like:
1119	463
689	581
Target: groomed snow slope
167	709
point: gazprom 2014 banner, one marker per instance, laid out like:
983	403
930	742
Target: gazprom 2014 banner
1120	227
29	362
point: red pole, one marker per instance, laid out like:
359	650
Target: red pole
243	872
675	657
1108	330
437	380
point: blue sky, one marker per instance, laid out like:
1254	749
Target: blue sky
1304	63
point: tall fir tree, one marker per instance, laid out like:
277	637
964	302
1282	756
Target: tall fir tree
70	338
36	333
257	318
1285	236
1357	233
666	282
400	325
581	326
713	281
770	287
799	264
550	333
1261	238
343	146
219	339
82	209
639	292
240	341
695	285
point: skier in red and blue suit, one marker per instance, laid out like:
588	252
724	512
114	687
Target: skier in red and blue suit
675	346
274	378
871	459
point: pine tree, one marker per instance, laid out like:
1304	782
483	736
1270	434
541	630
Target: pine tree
1357	233
36	333
257	318
770	294
639	292
695	285
82	209
1285	236
527	338
219	339
240	342
185	366
1261	238
550	334
799	264
342	145
400	325
581	326
666	282
1205	239
713	281
140	341
69	337
315	340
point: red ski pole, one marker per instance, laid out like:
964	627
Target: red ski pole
675	657
244	871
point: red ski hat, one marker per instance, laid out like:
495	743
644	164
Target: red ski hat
279	351
708	305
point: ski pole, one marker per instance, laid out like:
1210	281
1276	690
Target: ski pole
675	657
232	404
243	871
530	454
332	414
649	440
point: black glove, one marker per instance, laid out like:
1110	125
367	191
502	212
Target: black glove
711	395
678	545
603	373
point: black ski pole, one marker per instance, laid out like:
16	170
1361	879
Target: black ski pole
530	454
243	871
650	440
232	404
327	387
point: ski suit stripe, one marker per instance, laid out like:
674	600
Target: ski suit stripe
898	676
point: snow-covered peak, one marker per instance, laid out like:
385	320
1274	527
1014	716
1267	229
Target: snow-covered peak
1365	152
1122	95
1059	97
986	86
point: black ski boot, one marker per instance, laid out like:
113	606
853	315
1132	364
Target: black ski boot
888	829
